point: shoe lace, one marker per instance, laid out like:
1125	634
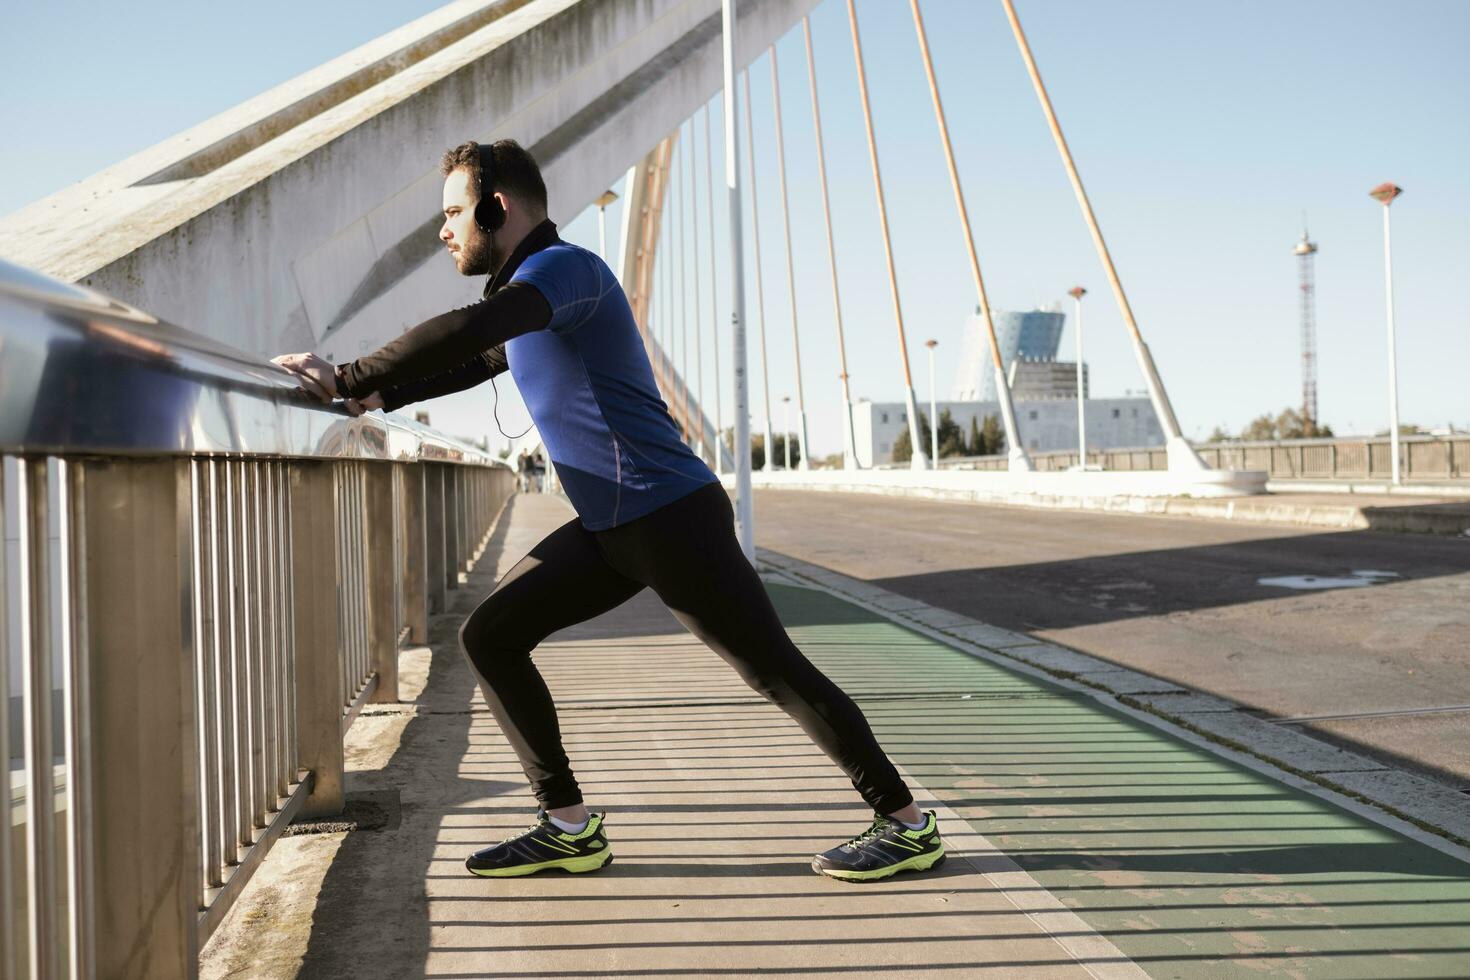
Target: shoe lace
522	833
875	830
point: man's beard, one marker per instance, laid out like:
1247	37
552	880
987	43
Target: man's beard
478	256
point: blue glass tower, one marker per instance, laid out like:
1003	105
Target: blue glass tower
1034	335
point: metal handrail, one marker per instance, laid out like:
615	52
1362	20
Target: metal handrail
80	372
206	574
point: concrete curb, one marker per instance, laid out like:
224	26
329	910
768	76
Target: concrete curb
1448	519
1448	488
1423	802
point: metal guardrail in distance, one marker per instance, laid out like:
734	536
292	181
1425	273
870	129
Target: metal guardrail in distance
205	575
1421	457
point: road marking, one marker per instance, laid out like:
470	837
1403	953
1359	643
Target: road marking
1356	579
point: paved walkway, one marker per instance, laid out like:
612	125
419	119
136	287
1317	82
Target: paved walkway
1110	848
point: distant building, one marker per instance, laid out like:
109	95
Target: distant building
1029	336
1045	425
1041	380
1043	391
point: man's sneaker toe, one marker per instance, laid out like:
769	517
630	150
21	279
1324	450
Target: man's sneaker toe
544	847
886	848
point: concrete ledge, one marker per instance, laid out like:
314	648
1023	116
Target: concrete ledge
1047	656
1289	746
1175	704
1429	801
1447	488
1091	489
1147	493
1119	681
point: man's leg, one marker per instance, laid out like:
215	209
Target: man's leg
687	552
562	581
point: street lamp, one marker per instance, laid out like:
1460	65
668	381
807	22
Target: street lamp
602	202
931	343
1077	292
1384	194
785	428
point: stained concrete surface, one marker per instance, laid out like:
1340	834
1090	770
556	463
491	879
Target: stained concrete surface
1180	599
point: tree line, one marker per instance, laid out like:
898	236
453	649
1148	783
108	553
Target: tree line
985	438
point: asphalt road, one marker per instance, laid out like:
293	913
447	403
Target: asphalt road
1184	600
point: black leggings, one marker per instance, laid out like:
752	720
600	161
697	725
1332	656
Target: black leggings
688	554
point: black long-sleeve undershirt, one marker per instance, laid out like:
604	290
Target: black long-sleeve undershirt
449	352
477	370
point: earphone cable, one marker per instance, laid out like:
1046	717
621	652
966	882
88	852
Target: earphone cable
495	411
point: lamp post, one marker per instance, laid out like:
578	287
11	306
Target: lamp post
744	511
1077	292
786	428
602	202
1384	194
931	343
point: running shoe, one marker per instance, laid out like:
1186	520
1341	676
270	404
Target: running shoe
885	848
544	845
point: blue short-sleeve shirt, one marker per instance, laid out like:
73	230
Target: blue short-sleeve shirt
588	385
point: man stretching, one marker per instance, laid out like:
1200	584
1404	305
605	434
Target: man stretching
650	514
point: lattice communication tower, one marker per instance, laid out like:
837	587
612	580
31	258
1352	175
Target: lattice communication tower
1305	251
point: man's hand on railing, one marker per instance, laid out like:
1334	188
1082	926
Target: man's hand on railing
318	375
356	406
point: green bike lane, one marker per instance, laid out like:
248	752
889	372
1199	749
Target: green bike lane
1191	864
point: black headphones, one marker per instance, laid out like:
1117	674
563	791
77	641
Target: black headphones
489	214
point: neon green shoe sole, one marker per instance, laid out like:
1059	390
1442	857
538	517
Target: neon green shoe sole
919	862
576	865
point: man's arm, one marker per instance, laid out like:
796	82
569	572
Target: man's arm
447	343
476	370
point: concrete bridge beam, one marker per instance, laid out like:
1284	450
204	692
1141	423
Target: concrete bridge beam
306	218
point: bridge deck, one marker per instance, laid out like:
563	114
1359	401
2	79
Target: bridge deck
1118	845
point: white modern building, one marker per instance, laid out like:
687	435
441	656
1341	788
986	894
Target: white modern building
1043	390
1033	335
1046	425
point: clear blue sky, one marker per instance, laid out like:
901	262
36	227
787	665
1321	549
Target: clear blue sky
1203	132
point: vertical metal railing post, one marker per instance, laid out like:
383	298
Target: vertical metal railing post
452	547
206	517
11	638
71	543
414	521
226	668
139	638
434	538
380	568
261	794
317	639
462	504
